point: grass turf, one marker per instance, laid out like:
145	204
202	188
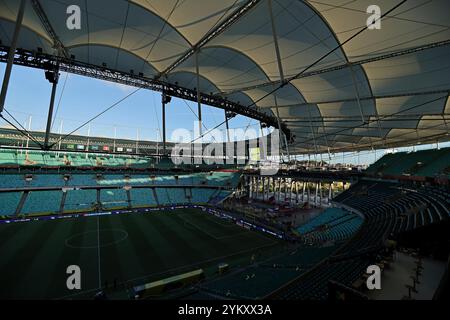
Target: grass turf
134	249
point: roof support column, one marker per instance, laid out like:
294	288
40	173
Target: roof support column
12	51
199	105
330	193
358	99
263	188
280	70
309	192
258	179
303	191
263	192
316	200
163	105
262	141
164	127
291	182
227	126
52	76
282	136
320	193
279	189
312	130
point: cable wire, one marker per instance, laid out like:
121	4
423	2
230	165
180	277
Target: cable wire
23	132
59	101
286	82
95	117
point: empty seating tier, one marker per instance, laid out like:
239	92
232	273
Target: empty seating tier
428	163
78	192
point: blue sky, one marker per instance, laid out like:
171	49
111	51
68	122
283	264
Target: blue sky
83	98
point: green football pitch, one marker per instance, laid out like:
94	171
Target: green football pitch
128	249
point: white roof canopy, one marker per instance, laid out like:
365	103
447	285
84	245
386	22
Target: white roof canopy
386	87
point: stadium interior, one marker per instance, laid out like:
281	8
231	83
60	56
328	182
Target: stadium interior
292	213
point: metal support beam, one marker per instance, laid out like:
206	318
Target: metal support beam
252	181
163	104
303	191
278	189
266	188
54	81
227	126
320	193
199	103
281	72
42	61
57	44
363	119
263	189
280	186
345	65
274	188
312	131
263	143
11	54
316	195
330	193
275	41
291	182
309	192
232	18
372	97
258	179
298	122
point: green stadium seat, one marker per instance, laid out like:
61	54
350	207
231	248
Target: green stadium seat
9	202
80	200
46	202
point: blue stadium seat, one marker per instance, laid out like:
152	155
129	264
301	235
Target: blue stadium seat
42	202
9	202
80	200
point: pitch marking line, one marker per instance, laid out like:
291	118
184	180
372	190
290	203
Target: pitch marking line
211	235
210	218
121	231
225	224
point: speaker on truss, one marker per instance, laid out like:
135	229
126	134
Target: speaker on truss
51	76
166	98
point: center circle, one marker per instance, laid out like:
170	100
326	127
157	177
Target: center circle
92	239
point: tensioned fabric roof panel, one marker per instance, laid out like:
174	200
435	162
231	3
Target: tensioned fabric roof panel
385	87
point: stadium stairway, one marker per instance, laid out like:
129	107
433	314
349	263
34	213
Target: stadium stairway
389	208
